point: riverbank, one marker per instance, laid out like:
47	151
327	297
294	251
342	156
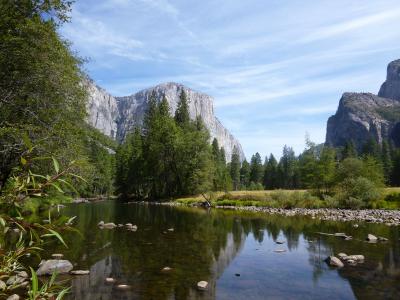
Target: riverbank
381	216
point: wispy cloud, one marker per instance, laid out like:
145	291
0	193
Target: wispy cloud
276	69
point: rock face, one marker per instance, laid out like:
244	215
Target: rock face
391	87
362	116
102	110
115	116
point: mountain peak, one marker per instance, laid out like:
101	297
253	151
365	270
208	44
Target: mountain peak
391	87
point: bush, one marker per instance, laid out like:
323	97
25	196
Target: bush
357	193
393	197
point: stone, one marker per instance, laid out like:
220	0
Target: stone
166	269
334	262
23	274
372	238
116	116
202	285
342	255
79	272
340	234
13	297
57	255
358	257
101	223
109	225
15	280
280	250
123	286
2	285
170	229
110	280
382	239
52	265
355	225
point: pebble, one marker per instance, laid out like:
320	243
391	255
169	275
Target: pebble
334	262
13	297
202	285
279	250
170	229
166	269
371	238
110	279
2	285
57	255
123	286
388	217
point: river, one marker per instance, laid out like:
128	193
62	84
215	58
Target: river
235	252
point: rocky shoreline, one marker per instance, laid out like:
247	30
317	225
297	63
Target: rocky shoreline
387	217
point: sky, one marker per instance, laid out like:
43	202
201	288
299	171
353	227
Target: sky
276	69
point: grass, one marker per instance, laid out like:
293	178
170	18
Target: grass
284	199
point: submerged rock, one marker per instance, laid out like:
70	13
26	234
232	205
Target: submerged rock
13	297
342	255
57	255
52	265
202	285
358	258
334	262
280	250
110	280
166	269
371	238
109	225
123	286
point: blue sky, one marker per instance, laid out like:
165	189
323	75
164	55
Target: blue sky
276	68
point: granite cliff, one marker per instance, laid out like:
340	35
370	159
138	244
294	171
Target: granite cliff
115	116
362	116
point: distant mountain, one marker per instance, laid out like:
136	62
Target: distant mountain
115	116
362	116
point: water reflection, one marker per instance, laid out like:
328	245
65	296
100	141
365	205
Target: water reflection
233	251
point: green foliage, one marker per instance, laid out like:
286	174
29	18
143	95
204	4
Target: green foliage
169	157
245	175
235	169
43	96
21	186
271	173
221	178
256	169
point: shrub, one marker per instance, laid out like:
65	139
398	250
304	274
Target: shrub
357	193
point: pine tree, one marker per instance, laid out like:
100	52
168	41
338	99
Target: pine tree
387	160
349	150
182	116
235	169
245	175
271	173
256	169
288	168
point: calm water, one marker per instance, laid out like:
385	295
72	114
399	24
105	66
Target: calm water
218	246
